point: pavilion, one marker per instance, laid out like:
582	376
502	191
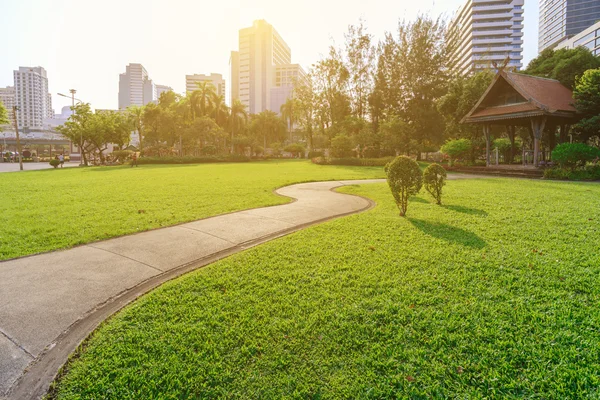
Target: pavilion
514	99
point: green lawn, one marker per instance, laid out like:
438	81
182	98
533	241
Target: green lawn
53	209
494	295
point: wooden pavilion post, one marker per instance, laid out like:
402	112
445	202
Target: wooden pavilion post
510	130
487	129
537	127
564	130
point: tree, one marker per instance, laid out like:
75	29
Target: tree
202	99
564	65
268	126
305	105
341	146
587	102
395	135
360	56
434	179
135	114
238	118
78	128
405	179
3	115
288	112
220	111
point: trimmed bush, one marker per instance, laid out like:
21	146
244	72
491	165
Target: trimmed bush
434	179
405	179
456	149
574	154
359	162
193	160
54	162
588	173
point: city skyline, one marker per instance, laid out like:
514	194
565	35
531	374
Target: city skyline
168	54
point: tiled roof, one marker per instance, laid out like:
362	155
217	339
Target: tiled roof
504	110
547	92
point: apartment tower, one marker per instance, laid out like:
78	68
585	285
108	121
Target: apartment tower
562	19
32	98
261	50
135	87
7	98
484	32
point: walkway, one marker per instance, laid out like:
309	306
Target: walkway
31	166
50	302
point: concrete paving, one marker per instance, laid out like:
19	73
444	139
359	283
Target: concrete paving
52	301
31	166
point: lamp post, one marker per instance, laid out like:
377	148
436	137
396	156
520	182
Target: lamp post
72	97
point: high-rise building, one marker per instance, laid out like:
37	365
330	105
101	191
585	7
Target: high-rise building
486	31
135	87
562	19
7	98
286	77
589	38
32	98
261	49
217	81
234	76
160	89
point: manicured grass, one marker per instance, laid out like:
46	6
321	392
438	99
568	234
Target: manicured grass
493	295
53	209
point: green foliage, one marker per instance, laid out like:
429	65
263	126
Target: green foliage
574	154
315	154
54	162
171	194
590	172
365	162
209	150
502	144
296	149
434	179
405	179
208	159
341	146
564	65
464	301
122	155
3	115
456	149
587	102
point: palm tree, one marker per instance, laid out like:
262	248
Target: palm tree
288	111
203	98
220	110
135	114
237	112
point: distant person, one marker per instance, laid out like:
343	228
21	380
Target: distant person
61	158
134	158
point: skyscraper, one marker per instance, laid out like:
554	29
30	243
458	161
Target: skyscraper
217	81
7	97
135	87
261	49
562	19
486	31
32	97
234	77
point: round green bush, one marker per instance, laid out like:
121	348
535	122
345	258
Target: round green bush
405	179
434	179
456	149
574	154
341	147
54	162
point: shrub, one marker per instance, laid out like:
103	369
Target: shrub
315	154
208	150
296	149
588	173
434	179
405	179
574	154
341	146
456	149
370	152
54	162
122	155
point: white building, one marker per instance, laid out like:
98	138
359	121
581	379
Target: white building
261	49
486	31
32	98
160	89
589	38
135	87
191	82
7	98
287	76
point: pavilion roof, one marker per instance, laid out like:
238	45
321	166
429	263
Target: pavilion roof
543	97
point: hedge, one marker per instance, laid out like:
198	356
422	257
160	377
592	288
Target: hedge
193	160
587	173
361	162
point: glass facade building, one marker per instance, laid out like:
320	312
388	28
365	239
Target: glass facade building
562	19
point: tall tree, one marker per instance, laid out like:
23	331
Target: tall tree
564	65
360	55
202	99
331	83
268	126
306	98
587	102
135	114
288	112
238	118
220	111
78	129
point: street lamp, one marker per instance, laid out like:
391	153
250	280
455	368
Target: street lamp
72	97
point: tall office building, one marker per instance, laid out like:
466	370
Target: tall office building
286	77
191	82
562	19
588	38
234	77
261	49
135	87
160	89
486	31
32	98
7	98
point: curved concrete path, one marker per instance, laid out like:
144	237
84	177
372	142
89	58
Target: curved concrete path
50	302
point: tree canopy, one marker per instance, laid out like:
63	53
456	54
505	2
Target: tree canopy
564	65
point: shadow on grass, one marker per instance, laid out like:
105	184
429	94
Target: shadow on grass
418	200
448	233
466	210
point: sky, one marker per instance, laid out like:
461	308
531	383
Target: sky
85	45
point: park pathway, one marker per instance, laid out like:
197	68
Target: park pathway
50	302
